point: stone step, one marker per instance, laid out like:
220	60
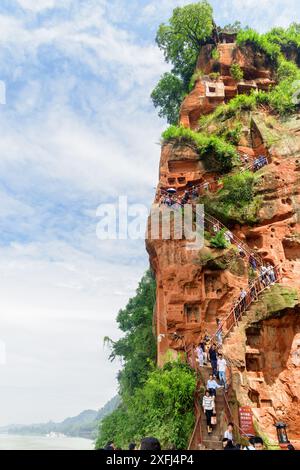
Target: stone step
212	445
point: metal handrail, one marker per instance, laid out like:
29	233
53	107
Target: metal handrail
242	305
198	410
212	221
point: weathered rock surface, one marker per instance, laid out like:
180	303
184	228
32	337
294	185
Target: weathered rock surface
193	290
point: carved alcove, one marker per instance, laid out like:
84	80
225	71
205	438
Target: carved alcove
192	312
214	288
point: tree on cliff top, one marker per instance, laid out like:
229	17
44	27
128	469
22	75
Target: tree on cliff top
189	28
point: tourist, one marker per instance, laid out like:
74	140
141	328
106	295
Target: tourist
252	291
271	274
228	237
264	276
219	332
241	251
185	198
212	385
216	227
212	353
229	432
203	346
150	443
221	366
258	443
229	445
132	446
224	442
110	446
250	446
252	262
208	404
243	295
195	192
200	355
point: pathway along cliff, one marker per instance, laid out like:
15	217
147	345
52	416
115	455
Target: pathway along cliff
247	273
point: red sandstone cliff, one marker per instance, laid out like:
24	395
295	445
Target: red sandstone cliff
265	348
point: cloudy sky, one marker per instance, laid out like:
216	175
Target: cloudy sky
77	130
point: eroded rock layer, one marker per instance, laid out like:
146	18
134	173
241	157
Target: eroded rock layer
194	288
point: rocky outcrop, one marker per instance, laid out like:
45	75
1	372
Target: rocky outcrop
215	84
264	351
195	287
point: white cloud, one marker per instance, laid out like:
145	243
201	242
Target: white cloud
39	5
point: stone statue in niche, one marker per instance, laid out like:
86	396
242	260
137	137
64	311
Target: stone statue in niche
192	313
213	286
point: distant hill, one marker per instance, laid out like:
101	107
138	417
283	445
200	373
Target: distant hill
83	425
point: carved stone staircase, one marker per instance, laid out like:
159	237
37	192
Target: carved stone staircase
212	441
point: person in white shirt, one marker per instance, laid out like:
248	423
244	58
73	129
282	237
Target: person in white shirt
221	367
200	355
228	434
208	404
212	385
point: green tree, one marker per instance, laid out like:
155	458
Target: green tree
162	407
167	96
137	348
189	28
232	27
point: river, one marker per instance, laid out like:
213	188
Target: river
18	442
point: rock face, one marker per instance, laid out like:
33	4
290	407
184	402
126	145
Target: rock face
265	354
195	287
215	84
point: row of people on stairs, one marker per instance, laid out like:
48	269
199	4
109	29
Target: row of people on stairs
170	198
256	164
266	278
175	201
217	361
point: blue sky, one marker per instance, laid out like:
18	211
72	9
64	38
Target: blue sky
78	129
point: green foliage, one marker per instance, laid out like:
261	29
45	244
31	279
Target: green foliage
235	106
236	72
281	98
167	97
189	28
260	43
198	74
214	75
232	27
232	134
236	201
219	241
215	54
138	347
288	40
215	151
163	407
238	188
204	258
